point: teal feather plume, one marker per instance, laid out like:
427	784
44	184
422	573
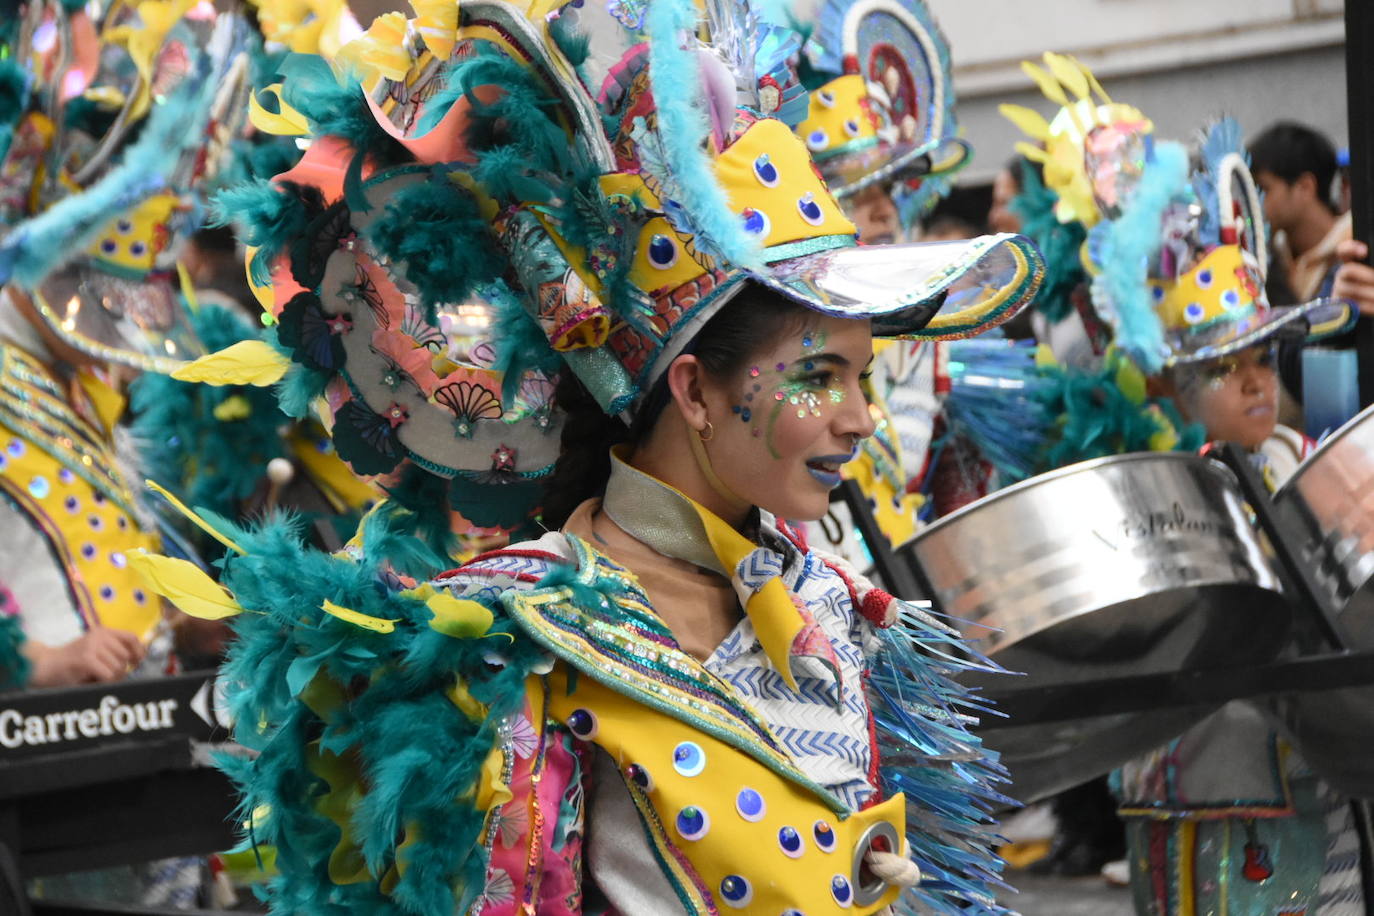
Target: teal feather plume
434	231
1060	243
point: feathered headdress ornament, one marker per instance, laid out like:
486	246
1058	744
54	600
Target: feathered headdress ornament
477	211
1177	253
886	110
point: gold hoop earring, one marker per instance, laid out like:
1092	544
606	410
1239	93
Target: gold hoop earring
707	434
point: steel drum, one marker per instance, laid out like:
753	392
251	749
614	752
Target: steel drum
1134	564
1330	503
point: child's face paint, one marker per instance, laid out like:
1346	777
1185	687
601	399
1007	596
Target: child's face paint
798	412
1236	397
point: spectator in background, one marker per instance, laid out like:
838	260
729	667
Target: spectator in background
1295	166
1002	217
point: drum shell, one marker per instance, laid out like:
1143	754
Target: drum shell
1329	503
1133	564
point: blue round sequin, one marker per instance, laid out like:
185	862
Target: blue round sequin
139	597
662	252
824	835
108	246
640	777
841	891
693	823
810	210
736	891
756	222
689	759
72	504
95	522
65	476
124	226
793	913
1204	278
137	249
851	127
88	551
582	723
818	140
107	593
3	461
1158	293
15	448
791	842
750	805
39	488
765	171
118	560
826	98
1230	298
1193	313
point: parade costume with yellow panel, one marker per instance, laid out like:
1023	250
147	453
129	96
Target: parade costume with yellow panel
525	734
1227	817
120	111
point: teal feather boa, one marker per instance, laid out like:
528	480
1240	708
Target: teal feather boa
416	755
1060	243
14	664
205	461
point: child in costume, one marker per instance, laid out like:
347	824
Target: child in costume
1226	818
117	118
668	705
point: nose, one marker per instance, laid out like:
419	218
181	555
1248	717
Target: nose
855	416
1252	380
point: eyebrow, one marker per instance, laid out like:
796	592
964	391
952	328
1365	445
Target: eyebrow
837	358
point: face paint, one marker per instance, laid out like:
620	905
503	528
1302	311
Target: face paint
800	411
797	388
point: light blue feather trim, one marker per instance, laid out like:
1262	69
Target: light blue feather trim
39	246
1123	250
675	73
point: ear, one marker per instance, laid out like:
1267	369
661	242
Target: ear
685	383
1307	185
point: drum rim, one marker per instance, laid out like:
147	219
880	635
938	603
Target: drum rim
1070	470
1290	485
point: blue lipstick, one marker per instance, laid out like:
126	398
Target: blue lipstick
828	479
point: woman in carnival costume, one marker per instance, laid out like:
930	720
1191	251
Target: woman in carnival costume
1226	818
668	705
117	114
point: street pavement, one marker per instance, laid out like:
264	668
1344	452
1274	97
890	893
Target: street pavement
1039	896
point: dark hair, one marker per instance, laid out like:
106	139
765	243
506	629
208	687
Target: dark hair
1289	150
747	324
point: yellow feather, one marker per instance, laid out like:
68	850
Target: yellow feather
1092	81
1068	72
195	519
1032	152
235	407
289	123
1048	86
1030	121
459	617
248	362
375	624
185	585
